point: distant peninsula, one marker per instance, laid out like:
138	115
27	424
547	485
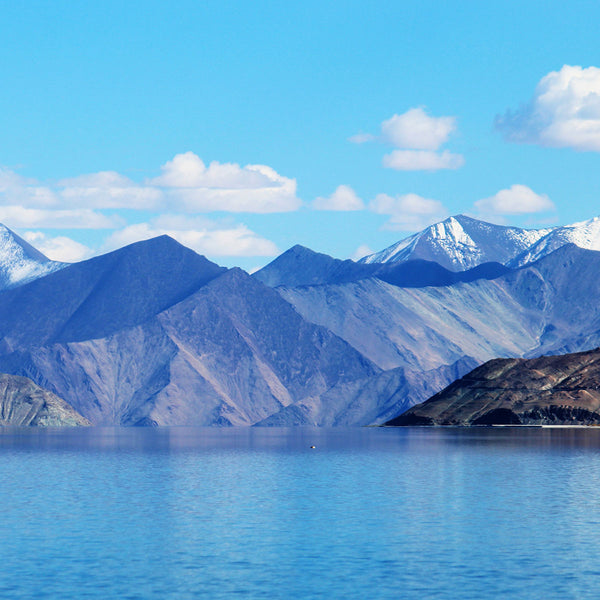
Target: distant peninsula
549	390
25	404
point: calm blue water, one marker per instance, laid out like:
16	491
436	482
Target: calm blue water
256	513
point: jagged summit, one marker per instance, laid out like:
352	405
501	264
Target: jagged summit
461	242
20	262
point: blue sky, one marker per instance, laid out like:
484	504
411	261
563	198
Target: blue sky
230	125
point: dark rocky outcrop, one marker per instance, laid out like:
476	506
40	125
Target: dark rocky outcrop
550	390
25	404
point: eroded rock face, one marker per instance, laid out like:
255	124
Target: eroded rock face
25	404
550	390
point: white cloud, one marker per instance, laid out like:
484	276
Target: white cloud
82	218
185	185
416	130
344	199
187	170
408	212
192	186
418	138
202	235
516	200
422	160
60	248
564	111
362	251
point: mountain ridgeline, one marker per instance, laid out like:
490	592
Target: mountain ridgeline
155	334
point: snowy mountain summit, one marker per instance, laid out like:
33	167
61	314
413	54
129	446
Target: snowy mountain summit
20	262
462	242
585	235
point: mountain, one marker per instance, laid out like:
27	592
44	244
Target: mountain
23	403
584	235
300	266
102	295
20	262
154	334
562	389
461	243
549	306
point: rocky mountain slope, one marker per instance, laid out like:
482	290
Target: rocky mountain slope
20	262
546	307
25	404
550	390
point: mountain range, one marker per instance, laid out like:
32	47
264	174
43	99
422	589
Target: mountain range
462	242
154	334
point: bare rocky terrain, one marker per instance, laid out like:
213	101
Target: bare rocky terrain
25	404
549	390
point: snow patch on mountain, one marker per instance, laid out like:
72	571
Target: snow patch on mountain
585	234
20	262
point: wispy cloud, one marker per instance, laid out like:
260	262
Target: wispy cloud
422	160
408	212
564	112
44	218
362	251
184	191
344	198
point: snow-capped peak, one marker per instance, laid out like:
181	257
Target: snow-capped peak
585	234
460	243
20	262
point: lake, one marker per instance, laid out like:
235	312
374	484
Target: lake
257	513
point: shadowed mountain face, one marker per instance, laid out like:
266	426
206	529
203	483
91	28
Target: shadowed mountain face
562	390
102	295
301	266
547	307
25	404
